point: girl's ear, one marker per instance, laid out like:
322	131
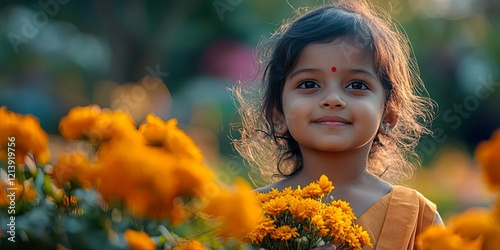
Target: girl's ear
279	122
388	123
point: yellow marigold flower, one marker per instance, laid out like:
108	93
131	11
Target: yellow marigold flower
492	239
264	197
97	125
195	178
438	238
27	137
79	120
472	223
229	204
169	136
297	208
154	130
275	206
325	184
73	167
337	222
317	220
288	191
137	179
345	207
496	210
139	240
190	245
285	233
179	142
178	213
357	238
301	212
312	190
266	225
489	160
313	207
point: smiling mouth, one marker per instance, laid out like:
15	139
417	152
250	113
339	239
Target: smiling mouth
332	121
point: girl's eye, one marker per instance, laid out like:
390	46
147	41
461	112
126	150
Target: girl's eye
308	85
358	85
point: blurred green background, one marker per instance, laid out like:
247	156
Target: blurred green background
177	58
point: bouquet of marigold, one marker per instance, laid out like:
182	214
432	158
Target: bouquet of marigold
299	219
476	228
121	187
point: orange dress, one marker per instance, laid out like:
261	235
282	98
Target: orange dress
395	220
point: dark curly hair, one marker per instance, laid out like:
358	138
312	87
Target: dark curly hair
374	32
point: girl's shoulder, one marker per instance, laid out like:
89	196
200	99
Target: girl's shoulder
407	192
424	206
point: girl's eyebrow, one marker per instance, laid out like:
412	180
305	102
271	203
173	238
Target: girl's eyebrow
364	71
298	71
354	70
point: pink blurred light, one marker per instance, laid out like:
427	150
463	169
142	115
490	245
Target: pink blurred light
230	59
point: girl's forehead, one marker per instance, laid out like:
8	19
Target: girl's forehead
338	53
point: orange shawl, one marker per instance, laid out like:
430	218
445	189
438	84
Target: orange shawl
395	220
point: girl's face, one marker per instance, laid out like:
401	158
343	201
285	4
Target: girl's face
332	100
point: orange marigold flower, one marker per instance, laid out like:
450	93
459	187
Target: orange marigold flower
357	238
266	225
139	240
229	204
438	238
472	223
27	136
285	233
145	191
79	120
73	167
275	206
178	142
489	160
297	208
314	207
345	207
167	135
325	184
264	197
296	212
154	130
492	239
190	245
195	178
312	190
97	125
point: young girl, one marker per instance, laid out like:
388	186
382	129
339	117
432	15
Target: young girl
341	97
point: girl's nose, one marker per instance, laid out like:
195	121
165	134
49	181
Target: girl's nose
332	100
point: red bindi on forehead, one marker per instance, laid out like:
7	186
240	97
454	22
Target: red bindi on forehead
334	69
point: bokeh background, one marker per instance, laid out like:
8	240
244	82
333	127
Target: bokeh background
176	58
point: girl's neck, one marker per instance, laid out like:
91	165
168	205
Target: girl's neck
343	168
